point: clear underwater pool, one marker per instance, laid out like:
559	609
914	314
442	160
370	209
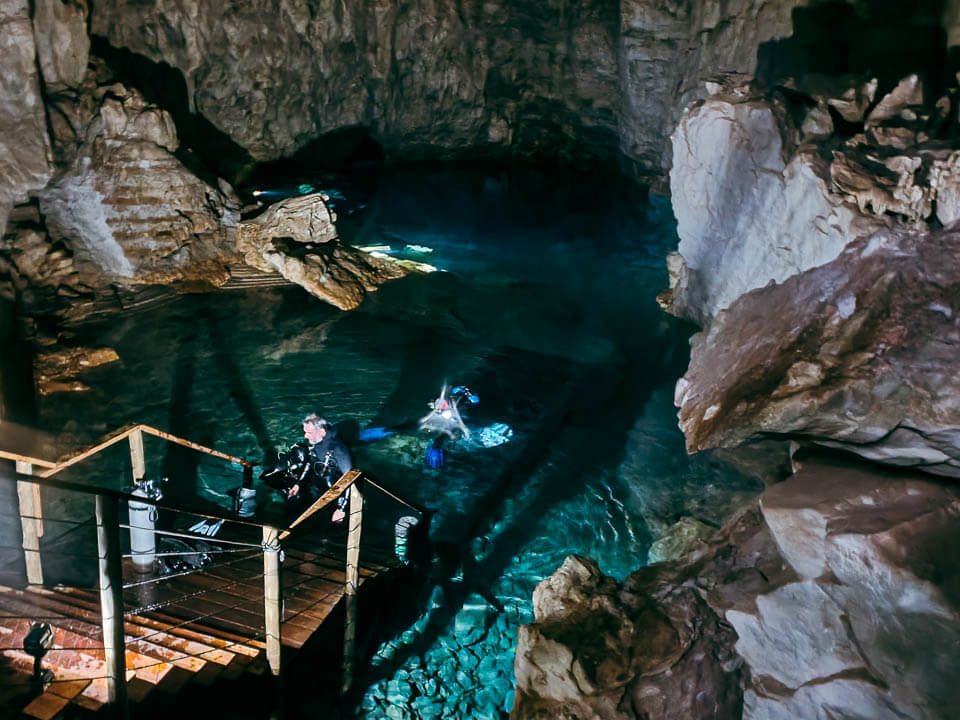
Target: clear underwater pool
544	306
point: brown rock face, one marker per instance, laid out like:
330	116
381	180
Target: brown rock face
599	649
860	354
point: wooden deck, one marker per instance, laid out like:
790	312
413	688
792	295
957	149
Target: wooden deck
145	639
186	631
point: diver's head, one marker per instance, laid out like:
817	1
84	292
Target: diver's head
315	428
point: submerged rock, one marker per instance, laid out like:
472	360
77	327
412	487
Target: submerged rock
56	370
599	649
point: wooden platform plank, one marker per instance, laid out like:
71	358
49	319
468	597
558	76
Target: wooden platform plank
46	706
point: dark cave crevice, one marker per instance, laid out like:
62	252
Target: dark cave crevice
882	40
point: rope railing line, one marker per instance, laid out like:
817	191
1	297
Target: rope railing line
206	568
46	519
211	551
395	497
53	467
157	606
182	625
189	536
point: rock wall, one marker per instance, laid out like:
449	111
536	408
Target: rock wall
834	599
581	80
813	252
25	162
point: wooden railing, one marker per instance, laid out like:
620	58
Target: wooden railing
35	472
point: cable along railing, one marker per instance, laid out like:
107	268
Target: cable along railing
210	584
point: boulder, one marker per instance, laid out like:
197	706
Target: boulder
860	354
870	627
601	649
298	239
834	596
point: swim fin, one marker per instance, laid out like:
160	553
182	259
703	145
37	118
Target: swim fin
373	433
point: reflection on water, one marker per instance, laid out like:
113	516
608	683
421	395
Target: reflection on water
545	309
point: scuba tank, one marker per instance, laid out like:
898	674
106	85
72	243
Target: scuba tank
401	532
143	524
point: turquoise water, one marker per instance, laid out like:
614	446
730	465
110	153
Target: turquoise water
544	307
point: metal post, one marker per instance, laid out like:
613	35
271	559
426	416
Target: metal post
351	584
137	461
31	523
271	596
111	600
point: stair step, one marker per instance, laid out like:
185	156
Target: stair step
233	656
46	706
150	662
153	643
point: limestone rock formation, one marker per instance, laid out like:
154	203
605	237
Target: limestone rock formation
129	208
24	145
835	598
63	45
871	625
298	239
860	348
750	208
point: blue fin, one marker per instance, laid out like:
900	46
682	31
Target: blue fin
373	433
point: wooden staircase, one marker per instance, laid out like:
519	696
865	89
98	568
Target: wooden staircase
165	661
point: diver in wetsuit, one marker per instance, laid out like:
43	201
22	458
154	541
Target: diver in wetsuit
327	458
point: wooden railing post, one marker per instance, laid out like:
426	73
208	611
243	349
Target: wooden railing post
111	600
137	461
271	595
351	583
31	523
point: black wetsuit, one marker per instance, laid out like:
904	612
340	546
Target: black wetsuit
330	458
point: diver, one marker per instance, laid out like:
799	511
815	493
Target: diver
308	469
444	416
